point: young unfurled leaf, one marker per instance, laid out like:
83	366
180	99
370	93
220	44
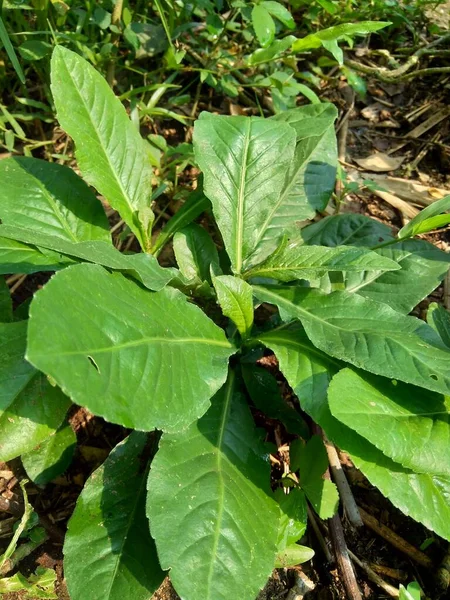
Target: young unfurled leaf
244	162
329	37
51	457
235	298
294	260
412	592
367	334
118	349
263	24
108	551
110	152
428	219
196	253
407	424
266	395
192	493
439	319
293	555
50	199
30	408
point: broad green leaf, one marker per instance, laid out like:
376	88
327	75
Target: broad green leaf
312	462
143	267
263	24
294	260
16	257
262	55
194	206
367	334
110	152
34	49
51	457
426	498
235	298
293	555
407	424
348	229
428	219
307	369
137	358
6	308
50	199
108	551
265	394
439	319
423	266
329	37
280	12
244	161
311	177
195	252
30	408
294	517
204	487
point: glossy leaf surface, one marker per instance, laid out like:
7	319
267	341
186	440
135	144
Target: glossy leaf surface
51	457
50	199
16	257
110	152
244	161
204	487
30	408
195	252
294	260
439	318
263	25
294	516
407	424
108	552
235	298
120	350
367	334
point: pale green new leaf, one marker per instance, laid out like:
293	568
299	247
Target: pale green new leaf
439	319
423	266
245	161
30	408
137	358
209	486
407	424
108	551
50	199
346	229
424	497
412	592
235	298
196	253
428	219
51	457
311	177
294	260
280	12
294	516
143	267
293	555
110	152
329	37
266	54
367	334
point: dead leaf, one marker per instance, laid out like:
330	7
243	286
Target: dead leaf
380	162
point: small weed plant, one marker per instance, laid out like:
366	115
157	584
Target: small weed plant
172	353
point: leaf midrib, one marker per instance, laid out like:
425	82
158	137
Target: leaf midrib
241	200
221	498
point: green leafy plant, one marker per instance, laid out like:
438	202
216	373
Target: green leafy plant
176	349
